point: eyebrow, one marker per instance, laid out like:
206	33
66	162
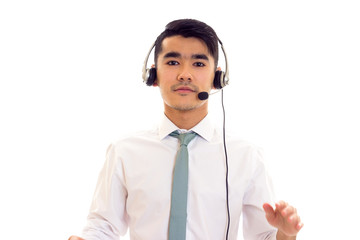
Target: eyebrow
200	56
178	55
172	55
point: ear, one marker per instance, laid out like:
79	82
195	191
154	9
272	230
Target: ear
217	69
155	82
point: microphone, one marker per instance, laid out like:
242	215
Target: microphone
203	95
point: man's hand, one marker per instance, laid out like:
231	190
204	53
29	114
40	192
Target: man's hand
75	238
284	218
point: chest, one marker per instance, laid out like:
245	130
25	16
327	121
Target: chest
149	172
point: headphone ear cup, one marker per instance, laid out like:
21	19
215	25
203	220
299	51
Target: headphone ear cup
152	76
219	79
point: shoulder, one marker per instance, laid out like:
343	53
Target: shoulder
243	152
137	141
235	140
136	138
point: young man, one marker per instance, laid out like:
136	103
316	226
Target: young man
135	189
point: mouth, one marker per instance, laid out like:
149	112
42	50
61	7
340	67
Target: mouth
184	89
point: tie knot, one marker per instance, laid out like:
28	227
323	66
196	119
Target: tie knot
184	138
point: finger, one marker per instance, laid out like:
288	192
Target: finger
288	211
268	208
270	213
299	226
280	205
75	238
295	219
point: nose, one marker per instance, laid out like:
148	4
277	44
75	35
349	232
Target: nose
185	75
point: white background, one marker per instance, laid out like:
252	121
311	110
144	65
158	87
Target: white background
70	75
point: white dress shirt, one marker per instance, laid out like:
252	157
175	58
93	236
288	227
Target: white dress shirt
134	187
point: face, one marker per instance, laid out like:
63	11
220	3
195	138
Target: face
184	68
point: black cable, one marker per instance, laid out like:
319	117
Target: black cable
227	168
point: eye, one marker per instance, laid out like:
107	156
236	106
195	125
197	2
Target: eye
199	64
173	63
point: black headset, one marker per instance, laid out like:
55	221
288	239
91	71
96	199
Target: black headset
221	79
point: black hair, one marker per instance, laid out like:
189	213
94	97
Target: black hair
190	28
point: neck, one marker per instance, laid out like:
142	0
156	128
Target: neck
186	119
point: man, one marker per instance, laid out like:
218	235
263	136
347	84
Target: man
136	188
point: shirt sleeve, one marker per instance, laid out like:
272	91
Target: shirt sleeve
258	192
107	219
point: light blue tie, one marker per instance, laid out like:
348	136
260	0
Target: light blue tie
177	225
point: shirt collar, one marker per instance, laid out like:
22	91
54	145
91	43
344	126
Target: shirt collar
204	128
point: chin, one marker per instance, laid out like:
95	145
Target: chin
186	107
